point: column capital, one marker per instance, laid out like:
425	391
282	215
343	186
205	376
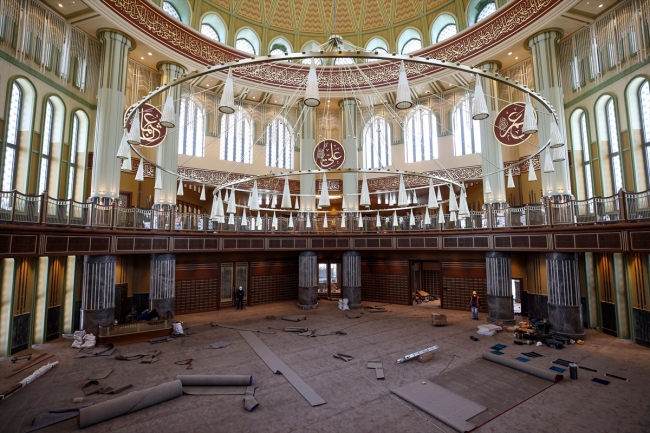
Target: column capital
165	64
348	102
106	31
490	66
553	33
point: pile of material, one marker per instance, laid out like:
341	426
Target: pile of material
438	319
488	329
538	331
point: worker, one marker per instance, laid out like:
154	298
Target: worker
240	298
475	304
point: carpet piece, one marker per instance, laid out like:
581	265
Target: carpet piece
344	357
522	366
354	315
103	350
111	390
498	346
215	379
588	369
55	416
439	402
379	372
532	354
218	345
562	362
522	359
601	381
558	369
294	318
91	387
98	375
295	329
374	364
249	400
147	357
160	340
496	352
214	390
616	377
129	403
277	366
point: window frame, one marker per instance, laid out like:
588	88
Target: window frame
72	158
483	8
236	139
15	145
408	42
645	128
372	159
248	42
272	131
416	149
174	8
463	108
211	27
613	137
197	125
443	29
46	146
586	155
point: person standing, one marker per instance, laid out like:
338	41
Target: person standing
475	304
240	298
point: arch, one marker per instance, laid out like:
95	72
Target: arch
19	125
581	147
478	10
280	43
191	131
52	125
244	36
467	132
377	143
78	145
445	26
311	46
214	21
638	112
609	144
407	41
236	137
376	44
280	142
420	135
181	7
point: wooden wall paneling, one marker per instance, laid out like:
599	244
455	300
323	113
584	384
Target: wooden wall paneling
385	281
197	287
459	280
273	281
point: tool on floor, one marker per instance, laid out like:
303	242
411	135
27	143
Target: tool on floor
187	362
416	354
532	354
27	357
343	357
616	377
587	368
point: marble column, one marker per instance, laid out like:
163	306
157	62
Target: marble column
308	280
307	144
7	283
351	281
544	50
349	110
564	309
491	149
621	294
105	183
167	151
98	293
593	306
162	283
499	289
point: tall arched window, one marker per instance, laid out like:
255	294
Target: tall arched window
210	32
78	145
245	46
467	132
644	111
376	144
378	45
311	46
447	31
409	40
74	145
478	10
11	145
279	46
46	146
171	10
191	132
279	144
420	135
586	156
411	45
213	27
247	41
236	137
487	10
443	28
614	147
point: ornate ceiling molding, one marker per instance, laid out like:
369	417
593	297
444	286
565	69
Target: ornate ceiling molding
515	17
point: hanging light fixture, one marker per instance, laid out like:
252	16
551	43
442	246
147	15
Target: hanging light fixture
411	219
290	220
343	221
439	195
231	219
530	120
220	214
452	217
297	206
360	221
324	221
312	97
453	204
179	192
433	200
139	174
244	220
532	177
402	198
511	182
414	200
274	201
126	163
548	162
274	222
403	100
226	197
378	221
486	186
252	223
324	199
344	205
286	195
463	209
308	224
167	119
213	211
158	184
395	222
134	133
365	195
202	198
441	216
480	108
259	221
227	103
427	217
123	151
556	136
558	154
232	205
254	201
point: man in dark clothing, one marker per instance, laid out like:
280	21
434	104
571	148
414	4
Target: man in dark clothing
240	298
475	304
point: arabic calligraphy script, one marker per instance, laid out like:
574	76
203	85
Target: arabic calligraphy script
329	154
509	123
152	133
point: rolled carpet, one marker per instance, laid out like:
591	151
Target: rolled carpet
525	367
215	379
129	403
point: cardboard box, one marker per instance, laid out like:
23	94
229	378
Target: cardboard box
438	319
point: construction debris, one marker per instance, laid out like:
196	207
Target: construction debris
416	354
218	345
29	379
343	357
488	329
55	416
214	325
425	357
294	318
376	309
40	358
146	358
438	319
27	357
161	340
354	315
103	350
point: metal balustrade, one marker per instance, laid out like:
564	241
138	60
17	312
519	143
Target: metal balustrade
22	209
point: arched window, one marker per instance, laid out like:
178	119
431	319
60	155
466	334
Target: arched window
213	27
311	46
644	111
279	144
279	46
478	10
78	144
236	137
614	147
411	45
171	10
247	41
46	146
376	144
191	132
486	10
74	145
378	45
447	31
467	132
245	46
410	40
586	156
443	28
420	135
210	32
11	145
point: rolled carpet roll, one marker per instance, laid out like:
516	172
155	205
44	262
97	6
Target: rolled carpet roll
129	403
215	379
523	366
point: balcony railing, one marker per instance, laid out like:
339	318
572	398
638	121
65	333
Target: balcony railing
22	209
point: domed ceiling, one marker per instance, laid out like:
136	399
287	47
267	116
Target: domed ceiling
320	16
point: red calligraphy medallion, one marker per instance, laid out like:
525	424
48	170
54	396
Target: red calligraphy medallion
329	155
152	133
509	123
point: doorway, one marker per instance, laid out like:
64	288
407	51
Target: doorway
329	279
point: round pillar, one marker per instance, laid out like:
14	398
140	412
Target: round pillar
162	283
349	109
307	145
98	293
499	292
564	309
351	281
308	280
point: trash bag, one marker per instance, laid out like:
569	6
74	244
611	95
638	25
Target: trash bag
177	328
89	341
78	339
343	304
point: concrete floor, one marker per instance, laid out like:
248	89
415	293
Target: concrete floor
356	401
